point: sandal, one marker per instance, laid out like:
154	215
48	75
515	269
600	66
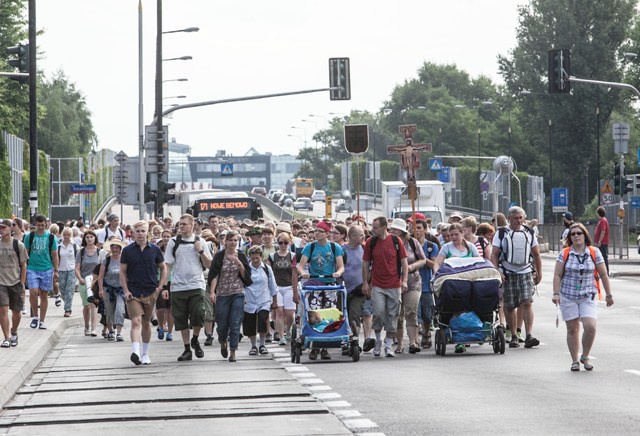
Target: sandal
399	350
223	349
6	343
575	366
586	362
413	349
253	351
263	350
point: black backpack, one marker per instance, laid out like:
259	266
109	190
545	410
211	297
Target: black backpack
333	251
178	240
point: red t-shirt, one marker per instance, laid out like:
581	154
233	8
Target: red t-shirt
602	228
384	273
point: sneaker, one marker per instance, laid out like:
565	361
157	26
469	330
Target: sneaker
160	333
94	333
195	344
145	360
67	314
111	336
377	349
87	332
58	301
169	337
119	338
6	343
14	340
42	325
135	359
313	354
368	345
282	341
276	337
209	341
34	323
269	338
388	351
154	321
507	335
531	342
324	354
186	355
514	342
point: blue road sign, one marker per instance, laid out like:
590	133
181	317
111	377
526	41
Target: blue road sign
444	175
83	189
435	164
227	169
635	202
560	199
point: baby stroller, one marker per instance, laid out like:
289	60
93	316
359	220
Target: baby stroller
324	300
467	292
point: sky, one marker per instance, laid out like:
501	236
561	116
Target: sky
255	47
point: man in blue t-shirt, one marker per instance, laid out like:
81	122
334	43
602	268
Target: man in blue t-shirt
425	309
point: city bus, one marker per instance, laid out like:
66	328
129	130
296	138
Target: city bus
236	204
302	187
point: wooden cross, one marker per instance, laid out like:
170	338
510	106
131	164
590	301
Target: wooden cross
409	155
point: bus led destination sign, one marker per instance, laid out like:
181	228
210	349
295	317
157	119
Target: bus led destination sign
223	204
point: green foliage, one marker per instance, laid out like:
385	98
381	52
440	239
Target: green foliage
5	186
468	178
25	195
44	187
389	170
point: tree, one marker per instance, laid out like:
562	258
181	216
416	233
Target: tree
595	32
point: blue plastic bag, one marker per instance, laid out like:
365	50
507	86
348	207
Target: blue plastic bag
466	322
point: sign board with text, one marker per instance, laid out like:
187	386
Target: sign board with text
560	199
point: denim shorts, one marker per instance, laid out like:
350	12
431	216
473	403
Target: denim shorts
42	280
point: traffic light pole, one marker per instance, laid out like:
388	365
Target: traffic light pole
33	114
622	194
159	131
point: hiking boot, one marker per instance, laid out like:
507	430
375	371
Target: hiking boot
208	341
368	345
531	342
186	355
195	344
514	342
377	349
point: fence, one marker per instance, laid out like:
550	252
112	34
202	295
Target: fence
15	154
551	234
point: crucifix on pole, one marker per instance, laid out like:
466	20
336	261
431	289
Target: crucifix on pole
410	160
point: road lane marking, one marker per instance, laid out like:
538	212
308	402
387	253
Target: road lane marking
359	423
332	404
347	413
327	396
632	371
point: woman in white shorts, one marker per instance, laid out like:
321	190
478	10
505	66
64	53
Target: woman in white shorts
575	289
283	263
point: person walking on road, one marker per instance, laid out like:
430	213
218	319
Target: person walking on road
42	269
427	302
384	263
259	298
110	291
13	274
229	274
515	254
188	255
601	235
67	252
87	258
575	287
141	283
112	229
283	263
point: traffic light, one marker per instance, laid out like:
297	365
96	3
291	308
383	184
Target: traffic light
629	181
21	59
617	179
169	186
149	195
356	138
339	77
559	71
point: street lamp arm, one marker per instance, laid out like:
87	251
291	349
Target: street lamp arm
231	100
603	83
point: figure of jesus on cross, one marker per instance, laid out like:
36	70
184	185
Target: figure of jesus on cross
409	156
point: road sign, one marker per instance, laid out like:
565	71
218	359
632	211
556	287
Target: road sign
227	169
621	135
560	199
635	202
606	188
444	175
620	213
436	164
83	189
606	198
121	157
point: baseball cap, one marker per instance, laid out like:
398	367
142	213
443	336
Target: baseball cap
323	226
6	223
568	215
417	215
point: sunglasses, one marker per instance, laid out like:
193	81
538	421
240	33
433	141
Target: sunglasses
577	233
283	243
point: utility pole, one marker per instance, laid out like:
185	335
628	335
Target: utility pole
159	131
33	115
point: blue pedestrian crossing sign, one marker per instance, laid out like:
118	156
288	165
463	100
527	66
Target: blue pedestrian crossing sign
435	164
227	169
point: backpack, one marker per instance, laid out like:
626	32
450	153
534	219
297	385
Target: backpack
396	244
75	251
118	231
468	250
178	240
592	252
519	243
31	238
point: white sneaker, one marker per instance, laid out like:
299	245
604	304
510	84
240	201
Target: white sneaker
389	352
283	341
145	360
378	348
87	332
42	325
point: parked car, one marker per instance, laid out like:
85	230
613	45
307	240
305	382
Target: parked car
318	195
343	206
286	200
303	203
261	190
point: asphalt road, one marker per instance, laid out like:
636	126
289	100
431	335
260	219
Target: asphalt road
525	391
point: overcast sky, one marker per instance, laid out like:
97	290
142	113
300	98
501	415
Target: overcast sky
256	47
